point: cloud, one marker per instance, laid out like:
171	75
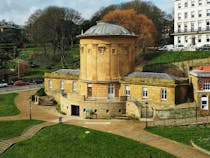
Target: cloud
20	10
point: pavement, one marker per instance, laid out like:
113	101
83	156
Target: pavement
130	129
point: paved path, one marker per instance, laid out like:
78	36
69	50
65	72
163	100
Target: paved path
129	129
5	144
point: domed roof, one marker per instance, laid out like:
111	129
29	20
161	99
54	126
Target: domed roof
106	29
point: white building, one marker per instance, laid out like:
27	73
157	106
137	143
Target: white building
192	22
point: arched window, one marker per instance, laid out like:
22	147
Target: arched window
204	102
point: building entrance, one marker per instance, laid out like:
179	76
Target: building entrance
74	110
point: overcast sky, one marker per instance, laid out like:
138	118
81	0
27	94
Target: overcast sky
18	11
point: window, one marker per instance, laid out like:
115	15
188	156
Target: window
74	86
144	92
50	84
185	27
199	38
200	13
185	15
179	39
207	25
199	26
101	50
199	2
208	1
192	26
179	6
204	103
185	4
114	51
179	16
208	12
179	27
207	38
62	85
193	3
206	85
192	14
186	39
127	90
163	94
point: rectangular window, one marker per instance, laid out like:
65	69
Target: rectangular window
185	27
50	84
186	39
208	25
200	13
62	85
127	90
208	12
179	6
192	27
193	3
163	94
206	85
199	2
199	39
185	15
192	14
74	86
204	103
185	4
101	50
179	27
208	2
144	92
179	16
207	38
179	39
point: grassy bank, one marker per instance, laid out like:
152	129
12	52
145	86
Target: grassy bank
7	105
9	129
70	141
198	134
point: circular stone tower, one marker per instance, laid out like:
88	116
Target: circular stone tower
106	54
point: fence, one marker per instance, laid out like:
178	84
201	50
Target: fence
180	122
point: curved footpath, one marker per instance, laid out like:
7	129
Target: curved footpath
130	129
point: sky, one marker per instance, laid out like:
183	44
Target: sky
19	11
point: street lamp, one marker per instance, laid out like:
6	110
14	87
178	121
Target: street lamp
146	104
30	108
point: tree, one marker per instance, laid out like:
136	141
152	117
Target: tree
137	23
55	26
160	19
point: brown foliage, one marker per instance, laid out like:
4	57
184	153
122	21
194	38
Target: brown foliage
140	24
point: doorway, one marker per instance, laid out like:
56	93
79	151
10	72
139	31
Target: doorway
74	110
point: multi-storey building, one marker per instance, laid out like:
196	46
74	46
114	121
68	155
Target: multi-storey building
192	22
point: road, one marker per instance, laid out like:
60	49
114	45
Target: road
15	89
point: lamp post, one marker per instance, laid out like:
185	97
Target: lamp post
30	108
146	104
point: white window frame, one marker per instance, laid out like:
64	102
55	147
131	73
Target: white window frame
206	85
208	12
50	84
204	103
74	86
163	94
62	85
144	92
127	90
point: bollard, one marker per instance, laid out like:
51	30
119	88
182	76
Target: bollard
60	120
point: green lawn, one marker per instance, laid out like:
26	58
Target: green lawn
170	57
7	105
9	129
200	135
65	141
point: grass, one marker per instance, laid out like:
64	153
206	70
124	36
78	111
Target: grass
65	141
7	105
170	57
200	135
9	129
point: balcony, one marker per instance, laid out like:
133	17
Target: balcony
192	30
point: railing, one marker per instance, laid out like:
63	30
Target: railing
193	30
